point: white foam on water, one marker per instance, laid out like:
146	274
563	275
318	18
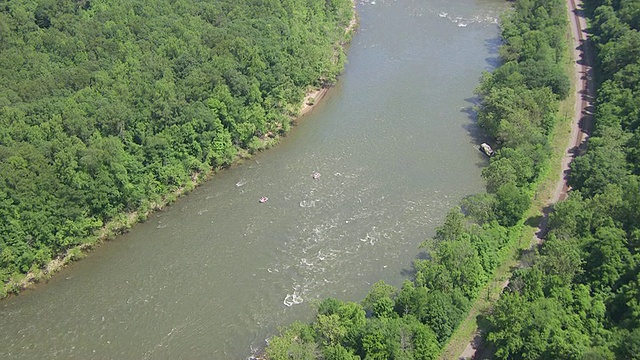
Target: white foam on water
307	203
293	299
463	21
305	262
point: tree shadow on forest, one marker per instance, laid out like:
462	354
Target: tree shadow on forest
493	45
483	349
475	132
410	273
533	221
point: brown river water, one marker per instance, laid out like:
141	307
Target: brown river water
216	273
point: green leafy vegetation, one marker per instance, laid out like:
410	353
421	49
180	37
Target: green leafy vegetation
110	107
408	323
581	297
519	102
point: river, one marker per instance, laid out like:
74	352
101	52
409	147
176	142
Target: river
217	272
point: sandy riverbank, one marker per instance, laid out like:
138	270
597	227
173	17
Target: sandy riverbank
311	100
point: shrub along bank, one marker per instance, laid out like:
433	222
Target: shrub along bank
519	103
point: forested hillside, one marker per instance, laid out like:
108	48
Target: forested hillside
581	297
519	105
107	106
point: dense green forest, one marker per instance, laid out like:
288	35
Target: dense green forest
581	297
519	106
108	106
